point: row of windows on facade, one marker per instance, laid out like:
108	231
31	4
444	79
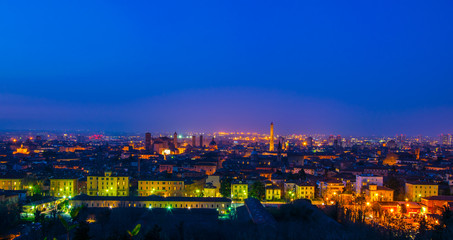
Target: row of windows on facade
163	183
163	188
160	205
113	178
107	194
8	182
434	192
107	183
423	186
59	183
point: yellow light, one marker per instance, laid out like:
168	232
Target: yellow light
368	203
391	210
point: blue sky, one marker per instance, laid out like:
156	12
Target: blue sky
341	67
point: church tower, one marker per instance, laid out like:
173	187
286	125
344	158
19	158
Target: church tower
271	140
175	139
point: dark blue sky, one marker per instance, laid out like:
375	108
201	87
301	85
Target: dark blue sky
354	67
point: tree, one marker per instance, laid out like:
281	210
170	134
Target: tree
67	226
302	175
9	217
225	187
38	216
74	212
180	227
393	183
257	190
445	228
154	234
135	231
81	232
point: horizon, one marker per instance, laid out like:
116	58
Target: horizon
363	68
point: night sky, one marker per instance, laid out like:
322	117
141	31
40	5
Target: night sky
336	67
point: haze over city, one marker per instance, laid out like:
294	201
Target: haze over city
364	68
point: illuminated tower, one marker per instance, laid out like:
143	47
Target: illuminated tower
271	140
201	141
175	139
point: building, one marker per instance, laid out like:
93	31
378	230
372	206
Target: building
148	141
271	138
416	191
63	187
212	187
222	205
273	193
11	183
364	180
210	190
436	204
175	140
446	139
239	190
161	187
309	142
108	185
194	141
375	193
305	191
44	205
8	197
330	188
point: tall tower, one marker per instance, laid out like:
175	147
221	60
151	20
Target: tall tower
175	139
193	141
147	141
271	140
201	141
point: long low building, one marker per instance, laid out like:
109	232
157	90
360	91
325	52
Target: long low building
221	204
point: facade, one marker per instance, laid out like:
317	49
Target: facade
436	204
211	191
273	193
239	190
108	185
367	179
305	191
8	198
63	187
416	191
221	204
376	193
161	187
330	188
11	183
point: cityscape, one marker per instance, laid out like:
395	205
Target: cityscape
388	187
226	120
